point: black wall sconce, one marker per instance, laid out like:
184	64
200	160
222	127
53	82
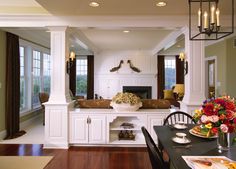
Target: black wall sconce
183	59
69	62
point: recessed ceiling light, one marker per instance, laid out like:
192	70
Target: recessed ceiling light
126	31
178	46
93	4
161	4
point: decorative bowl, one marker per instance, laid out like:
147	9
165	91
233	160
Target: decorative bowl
122	107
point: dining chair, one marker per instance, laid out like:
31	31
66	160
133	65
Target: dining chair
154	153
43	97
177	116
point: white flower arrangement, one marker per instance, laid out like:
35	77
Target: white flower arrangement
123	102
126	97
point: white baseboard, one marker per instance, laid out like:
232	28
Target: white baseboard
33	120
55	146
3	134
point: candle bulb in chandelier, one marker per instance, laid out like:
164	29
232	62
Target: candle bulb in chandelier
205	20
199	17
217	17
212	14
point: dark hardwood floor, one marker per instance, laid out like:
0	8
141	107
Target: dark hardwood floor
83	157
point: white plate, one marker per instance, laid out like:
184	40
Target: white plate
181	140
180	126
195	134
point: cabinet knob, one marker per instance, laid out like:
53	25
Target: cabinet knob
88	120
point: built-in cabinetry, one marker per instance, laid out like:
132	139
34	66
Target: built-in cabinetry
114	123
87	128
103	126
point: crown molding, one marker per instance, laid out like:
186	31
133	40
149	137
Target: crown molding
164	22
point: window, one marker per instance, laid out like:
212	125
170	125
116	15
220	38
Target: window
22	79
46	73
81	76
36	77
170	72
34	74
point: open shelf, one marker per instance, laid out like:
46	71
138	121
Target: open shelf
139	139
138	128
115	128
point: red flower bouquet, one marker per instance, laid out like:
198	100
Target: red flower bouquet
217	115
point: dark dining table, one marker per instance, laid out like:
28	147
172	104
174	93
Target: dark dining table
199	146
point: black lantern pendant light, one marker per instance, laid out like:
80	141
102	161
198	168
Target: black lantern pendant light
207	19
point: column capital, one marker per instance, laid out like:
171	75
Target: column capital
57	28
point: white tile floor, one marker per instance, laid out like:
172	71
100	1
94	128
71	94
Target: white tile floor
34	135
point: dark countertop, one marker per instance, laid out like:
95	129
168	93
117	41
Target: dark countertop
200	146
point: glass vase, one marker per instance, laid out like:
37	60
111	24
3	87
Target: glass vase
223	141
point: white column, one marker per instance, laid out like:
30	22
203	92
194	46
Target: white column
195	79
57	108
59	76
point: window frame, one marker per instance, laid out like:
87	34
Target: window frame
82	57
173	59
37	105
28	61
24	109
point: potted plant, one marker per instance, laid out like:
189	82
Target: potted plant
126	102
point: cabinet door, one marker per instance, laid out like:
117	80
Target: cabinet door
154	120
97	129
79	129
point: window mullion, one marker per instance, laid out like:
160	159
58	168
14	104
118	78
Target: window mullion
41	72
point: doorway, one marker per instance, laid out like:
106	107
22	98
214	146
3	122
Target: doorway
211	77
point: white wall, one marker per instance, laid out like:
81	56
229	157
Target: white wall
107	83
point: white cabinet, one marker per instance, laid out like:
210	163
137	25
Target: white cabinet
97	129
86	129
103	126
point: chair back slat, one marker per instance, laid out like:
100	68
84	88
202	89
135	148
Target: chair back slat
174	117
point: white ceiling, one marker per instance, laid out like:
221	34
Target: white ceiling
136	39
120	7
113	7
39	35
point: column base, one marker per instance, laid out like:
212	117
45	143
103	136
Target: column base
56	125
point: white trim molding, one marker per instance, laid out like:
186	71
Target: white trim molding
3	134
206	69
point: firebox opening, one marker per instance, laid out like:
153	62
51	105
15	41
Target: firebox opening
144	92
